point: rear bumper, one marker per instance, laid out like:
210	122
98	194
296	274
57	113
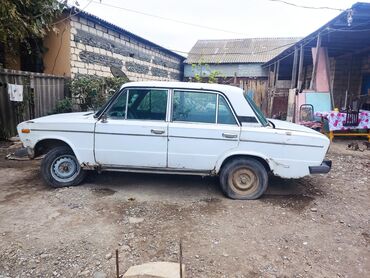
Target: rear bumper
322	169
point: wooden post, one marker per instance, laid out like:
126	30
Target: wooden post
270	79
117	265
314	69
275	78
293	83
294	69
271	85
277	73
181	274
330	80
300	82
332	88
300	68
348	82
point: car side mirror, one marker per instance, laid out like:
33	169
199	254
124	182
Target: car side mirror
104	118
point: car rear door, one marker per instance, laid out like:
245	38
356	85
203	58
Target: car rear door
133	132
203	127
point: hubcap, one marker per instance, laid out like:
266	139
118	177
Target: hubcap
243	181
65	168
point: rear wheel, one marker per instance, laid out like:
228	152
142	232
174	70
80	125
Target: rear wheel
60	168
243	178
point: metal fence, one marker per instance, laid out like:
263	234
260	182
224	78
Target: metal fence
41	92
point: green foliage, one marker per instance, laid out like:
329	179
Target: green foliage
24	19
92	92
204	74
63	106
213	76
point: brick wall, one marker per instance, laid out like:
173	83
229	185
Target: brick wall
94	49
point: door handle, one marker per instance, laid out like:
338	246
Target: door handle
229	135
157	131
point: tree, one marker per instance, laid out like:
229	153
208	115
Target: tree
24	19
203	73
91	91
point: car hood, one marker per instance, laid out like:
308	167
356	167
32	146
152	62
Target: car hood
80	121
65	117
291	126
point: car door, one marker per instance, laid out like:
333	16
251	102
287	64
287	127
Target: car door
133	131
203	127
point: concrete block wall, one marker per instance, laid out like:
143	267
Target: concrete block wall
94	49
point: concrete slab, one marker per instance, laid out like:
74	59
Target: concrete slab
155	270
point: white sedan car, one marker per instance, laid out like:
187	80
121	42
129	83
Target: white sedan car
177	128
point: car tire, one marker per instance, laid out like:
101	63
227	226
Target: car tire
243	179
60	168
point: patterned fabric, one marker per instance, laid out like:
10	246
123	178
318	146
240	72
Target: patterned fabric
337	119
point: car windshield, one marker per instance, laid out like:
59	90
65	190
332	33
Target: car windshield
257	111
101	110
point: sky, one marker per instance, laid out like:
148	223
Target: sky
232	18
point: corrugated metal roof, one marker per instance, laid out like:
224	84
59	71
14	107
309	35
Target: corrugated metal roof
342	37
252	50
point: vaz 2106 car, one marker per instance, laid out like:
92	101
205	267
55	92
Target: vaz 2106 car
177	128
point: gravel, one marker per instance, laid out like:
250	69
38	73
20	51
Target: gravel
317	226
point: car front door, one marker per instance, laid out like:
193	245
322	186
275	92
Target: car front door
203	127
133	131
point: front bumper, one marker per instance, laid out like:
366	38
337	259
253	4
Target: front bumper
322	169
30	152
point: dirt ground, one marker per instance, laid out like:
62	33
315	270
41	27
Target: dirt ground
318	226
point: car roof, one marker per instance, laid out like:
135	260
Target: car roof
234	94
186	85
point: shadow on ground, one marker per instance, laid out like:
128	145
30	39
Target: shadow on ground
170	187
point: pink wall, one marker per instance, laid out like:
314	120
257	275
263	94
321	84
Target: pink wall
322	82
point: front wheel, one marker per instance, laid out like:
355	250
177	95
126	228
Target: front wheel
244	179
60	168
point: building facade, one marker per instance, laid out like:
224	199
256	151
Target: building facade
97	47
87	45
237	62
340	67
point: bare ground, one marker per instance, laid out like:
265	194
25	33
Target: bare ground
318	226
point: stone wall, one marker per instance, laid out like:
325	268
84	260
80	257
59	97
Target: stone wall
94	49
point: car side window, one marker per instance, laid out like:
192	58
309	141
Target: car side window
147	104
191	106
118	109
225	115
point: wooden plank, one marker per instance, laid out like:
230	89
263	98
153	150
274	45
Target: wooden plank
291	105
